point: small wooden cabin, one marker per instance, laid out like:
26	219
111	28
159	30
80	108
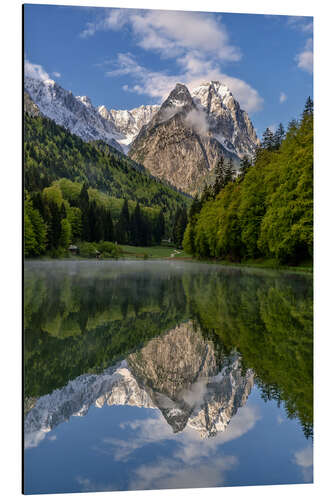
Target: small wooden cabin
73	249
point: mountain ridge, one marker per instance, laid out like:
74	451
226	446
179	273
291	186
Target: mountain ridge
195	393
120	125
179	141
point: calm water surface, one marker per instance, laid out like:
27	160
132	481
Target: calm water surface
163	374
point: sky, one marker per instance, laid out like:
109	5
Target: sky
123	58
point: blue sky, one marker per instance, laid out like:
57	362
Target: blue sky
123	58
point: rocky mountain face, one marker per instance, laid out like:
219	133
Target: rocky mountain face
77	114
174	145
29	106
176	374
227	122
185	138
181	374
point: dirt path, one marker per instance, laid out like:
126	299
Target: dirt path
175	252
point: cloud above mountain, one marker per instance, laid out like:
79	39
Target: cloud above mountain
158	84
35	71
199	44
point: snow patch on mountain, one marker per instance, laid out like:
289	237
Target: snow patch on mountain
77	114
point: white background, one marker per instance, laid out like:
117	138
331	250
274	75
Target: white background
10	245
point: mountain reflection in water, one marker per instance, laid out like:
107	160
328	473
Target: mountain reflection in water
177	373
170	357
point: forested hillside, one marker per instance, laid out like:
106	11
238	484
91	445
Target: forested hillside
267	211
78	191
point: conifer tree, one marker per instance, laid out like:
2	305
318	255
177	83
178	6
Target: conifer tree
40	230
137	226
268	139
308	109
179	227
229	172
159	227
54	228
84	196
195	207
96	223
219	179
207	193
123	225
245	164
279	136
84	207
108	226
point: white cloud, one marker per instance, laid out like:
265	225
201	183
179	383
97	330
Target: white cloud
56	74
305	59
88	485
198	43
158	84
193	462
304	459
191	447
283	97
35	71
304	24
32	439
113	19
247	96
170	33
170	473
181	31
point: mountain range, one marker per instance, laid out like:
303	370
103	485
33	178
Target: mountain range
177	374
179	141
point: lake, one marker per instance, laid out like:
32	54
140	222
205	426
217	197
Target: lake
165	374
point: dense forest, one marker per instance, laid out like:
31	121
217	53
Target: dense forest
267	210
77	191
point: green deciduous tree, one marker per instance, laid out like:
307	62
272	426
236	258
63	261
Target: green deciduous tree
266	212
35	231
66	233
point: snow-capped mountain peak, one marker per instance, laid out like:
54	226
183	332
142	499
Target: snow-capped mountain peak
77	114
226	121
85	100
